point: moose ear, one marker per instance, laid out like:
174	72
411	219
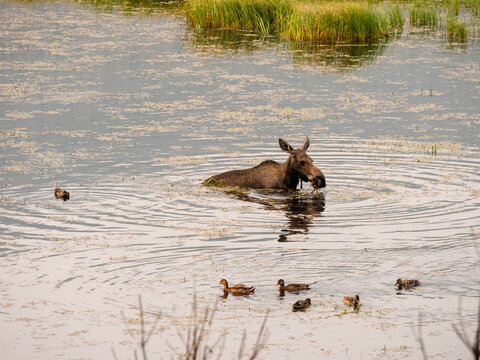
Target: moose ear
306	143
285	146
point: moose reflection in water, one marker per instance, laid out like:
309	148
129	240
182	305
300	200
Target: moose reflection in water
272	175
300	212
301	209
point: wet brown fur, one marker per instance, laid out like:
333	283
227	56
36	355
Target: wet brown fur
272	175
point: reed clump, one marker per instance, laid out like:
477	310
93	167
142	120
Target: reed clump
456	30
422	14
342	22
264	16
324	21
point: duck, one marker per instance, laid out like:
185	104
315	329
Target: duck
406	283
238	289
352	301
291	287
301	305
61	194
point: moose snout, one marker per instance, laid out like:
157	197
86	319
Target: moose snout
316	178
319	182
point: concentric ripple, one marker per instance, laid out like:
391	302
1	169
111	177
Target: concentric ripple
375	198
131	113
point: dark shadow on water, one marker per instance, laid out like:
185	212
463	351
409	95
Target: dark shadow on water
300	208
337	56
227	41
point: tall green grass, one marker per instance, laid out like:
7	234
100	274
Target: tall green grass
473	5
453	7
456	30
342	22
331	22
264	16
422	14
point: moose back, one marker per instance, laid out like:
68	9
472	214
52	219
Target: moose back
272	175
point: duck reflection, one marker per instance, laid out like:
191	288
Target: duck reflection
300	208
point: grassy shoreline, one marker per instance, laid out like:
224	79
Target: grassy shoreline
323	21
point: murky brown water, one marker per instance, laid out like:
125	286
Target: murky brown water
130	114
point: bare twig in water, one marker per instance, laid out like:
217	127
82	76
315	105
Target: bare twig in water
461	333
197	346
261	338
114	354
242	345
460	329
419	336
144	338
197	337
196	340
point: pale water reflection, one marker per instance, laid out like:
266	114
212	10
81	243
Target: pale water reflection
130	116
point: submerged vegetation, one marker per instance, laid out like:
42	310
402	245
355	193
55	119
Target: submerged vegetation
131	7
427	15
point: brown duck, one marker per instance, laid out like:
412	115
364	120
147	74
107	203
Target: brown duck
291	287
238	289
301	305
406	284
352	301
60	194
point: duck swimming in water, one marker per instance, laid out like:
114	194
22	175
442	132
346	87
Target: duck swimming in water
406	284
238	289
301	305
60	194
291	287
352	301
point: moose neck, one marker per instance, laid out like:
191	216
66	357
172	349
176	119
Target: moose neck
290	176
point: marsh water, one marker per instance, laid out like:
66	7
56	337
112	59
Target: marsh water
130	112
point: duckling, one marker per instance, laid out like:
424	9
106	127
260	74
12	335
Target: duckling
301	305
291	287
406	284
238	289
60	194
352	301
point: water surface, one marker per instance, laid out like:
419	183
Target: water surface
131	113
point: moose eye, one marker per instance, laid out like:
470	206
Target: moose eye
302	163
